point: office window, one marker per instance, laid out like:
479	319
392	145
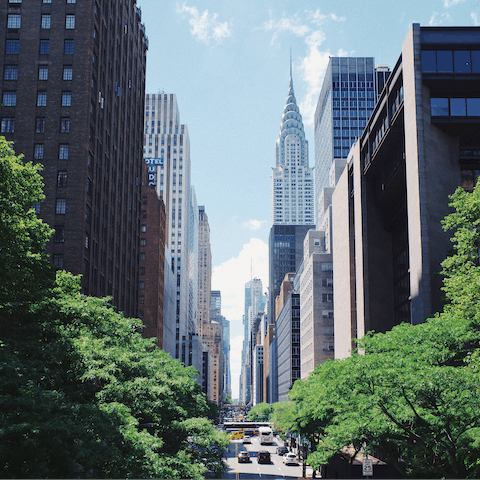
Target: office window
12	47
67	72
65	125
41	99
141	285
143	228
58	260
14	1
66	99
462	61
458	107
47	1
62	178
59	234
142	256
473	107
37	206
63	152
89	187
87	240
68	50
70	22
11	72
444	61
14	20
143	242
40	125
8	125
44	47
46	20
439	107
43	73
71	1
61	206
9	99
38	151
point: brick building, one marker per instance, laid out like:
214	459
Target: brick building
73	77
152	262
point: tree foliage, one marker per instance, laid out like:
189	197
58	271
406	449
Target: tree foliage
23	261
259	412
82	394
411	393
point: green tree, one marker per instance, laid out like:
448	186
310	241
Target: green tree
260	412
26	272
82	394
412	393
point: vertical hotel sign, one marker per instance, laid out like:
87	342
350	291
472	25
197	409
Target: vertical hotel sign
152	164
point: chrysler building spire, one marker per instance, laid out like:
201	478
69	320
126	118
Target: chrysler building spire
292	179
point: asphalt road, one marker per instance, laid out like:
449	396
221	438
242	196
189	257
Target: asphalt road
254	470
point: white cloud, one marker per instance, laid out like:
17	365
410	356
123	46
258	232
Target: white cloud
439	19
449	3
231	276
475	20
319	18
313	69
292	25
253	224
205	26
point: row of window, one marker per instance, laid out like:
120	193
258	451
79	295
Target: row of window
8	125
14	20
448	61
11	72
10	98
39	151
455	107
12	47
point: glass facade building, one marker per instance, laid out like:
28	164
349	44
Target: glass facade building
349	93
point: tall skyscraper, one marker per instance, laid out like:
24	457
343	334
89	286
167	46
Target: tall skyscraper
204	271
167	144
75	104
292	179
350	89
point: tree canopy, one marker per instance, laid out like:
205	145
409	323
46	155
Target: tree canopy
259	412
411	393
82	394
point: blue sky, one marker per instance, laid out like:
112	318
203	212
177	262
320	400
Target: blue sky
228	64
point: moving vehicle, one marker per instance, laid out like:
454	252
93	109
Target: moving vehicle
265	435
263	456
247	439
290	459
236	435
243	457
282	451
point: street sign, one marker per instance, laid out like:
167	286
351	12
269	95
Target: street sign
367	467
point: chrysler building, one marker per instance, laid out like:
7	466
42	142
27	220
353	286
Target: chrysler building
292	179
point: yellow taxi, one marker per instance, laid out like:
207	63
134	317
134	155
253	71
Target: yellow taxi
236	435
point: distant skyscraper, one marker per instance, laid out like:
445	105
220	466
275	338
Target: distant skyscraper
349	92
74	103
168	141
292	179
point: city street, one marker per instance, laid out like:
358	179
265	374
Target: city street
276	469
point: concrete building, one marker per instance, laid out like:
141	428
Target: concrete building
287	333
204	271
316	303
167	145
216	345
257	375
74	104
292	179
421	142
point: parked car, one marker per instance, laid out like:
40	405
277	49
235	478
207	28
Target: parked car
282	451
247	439
290	459
263	456
243	457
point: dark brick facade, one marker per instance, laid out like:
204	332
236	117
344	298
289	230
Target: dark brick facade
79	82
152	262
